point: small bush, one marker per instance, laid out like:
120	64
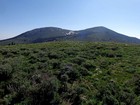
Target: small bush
5	72
89	65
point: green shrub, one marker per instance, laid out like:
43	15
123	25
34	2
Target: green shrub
46	93
89	65
78	60
5	72
70	71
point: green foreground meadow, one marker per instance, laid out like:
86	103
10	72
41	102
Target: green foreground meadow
70	73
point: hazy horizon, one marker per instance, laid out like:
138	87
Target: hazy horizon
19	16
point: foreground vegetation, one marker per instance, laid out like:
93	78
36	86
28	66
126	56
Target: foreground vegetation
70	73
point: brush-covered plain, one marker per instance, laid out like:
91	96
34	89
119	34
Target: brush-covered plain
70	73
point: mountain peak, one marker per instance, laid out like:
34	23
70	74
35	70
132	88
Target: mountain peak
99	28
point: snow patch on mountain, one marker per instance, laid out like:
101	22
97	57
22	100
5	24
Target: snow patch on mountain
71	33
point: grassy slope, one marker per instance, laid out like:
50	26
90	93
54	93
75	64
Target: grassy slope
70	73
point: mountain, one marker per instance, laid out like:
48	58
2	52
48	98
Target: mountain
103	34
38	35
96	34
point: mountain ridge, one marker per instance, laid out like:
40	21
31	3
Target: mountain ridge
46	34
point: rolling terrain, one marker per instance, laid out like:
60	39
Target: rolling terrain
70	73
48	34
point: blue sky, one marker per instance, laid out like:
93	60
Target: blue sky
18	16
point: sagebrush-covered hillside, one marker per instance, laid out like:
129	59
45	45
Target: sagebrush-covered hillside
70	73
